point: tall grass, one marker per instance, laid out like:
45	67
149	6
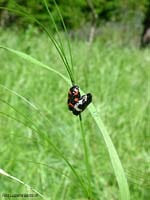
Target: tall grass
94	190
113	154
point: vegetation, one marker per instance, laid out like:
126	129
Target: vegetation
118	80
52	144
75	13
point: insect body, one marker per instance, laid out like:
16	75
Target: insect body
76	102
81	105
73	96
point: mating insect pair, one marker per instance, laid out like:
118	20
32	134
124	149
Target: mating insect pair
76	102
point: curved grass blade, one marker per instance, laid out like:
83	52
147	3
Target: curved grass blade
65	29
52	39
35	129
20	96
36	62
54	147
39	132
58	171
33	106
116	163
2	172
61	44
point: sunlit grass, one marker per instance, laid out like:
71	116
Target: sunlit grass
118	81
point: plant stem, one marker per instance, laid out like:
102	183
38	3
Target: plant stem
87	164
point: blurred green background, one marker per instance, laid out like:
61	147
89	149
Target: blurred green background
106	39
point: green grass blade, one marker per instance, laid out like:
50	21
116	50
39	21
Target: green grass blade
58	171
35	129
36	62
65	29
2	172
25	100
52	39
52	144
20	96
87	165
116	163
61	44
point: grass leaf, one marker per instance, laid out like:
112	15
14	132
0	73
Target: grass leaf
116	163
2	172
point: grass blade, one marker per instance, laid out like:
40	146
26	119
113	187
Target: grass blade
65	29
35	129
116	163
36	62
60	41
54	147
87	165
2	172
21	12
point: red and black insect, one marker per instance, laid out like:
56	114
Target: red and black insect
76	102
73	96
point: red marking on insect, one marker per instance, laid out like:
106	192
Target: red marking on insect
76	102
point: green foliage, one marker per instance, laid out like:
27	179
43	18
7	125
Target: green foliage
75	13
118	81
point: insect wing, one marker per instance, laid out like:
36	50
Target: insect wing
81	105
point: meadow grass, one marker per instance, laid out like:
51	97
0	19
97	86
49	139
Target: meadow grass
118	79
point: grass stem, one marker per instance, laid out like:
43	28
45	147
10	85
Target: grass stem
87	164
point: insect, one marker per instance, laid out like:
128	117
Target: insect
73	96
76	102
